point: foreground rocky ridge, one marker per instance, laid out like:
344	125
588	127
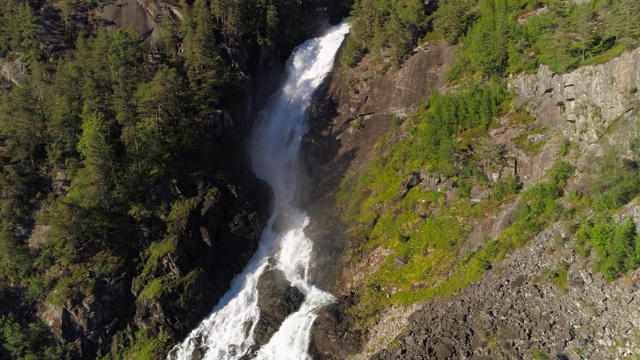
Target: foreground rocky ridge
514	311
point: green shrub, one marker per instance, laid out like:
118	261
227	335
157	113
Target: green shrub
558	276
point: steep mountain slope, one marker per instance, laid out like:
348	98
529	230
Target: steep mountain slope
535	270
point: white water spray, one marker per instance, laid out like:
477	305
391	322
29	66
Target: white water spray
228	332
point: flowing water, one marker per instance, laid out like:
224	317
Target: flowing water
227	332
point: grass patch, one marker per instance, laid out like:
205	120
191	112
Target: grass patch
143	345
539	355
526	144
558	276
605	56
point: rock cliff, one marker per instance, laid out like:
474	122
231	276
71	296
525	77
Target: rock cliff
583	103
348	116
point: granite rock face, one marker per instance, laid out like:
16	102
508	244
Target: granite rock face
589	98
13	71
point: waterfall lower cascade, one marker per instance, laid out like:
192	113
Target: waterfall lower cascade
228	332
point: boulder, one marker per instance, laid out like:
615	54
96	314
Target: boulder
333	335
13	71
277	299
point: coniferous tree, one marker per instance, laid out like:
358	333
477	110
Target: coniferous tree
205	70
91	57
488	41
64	106
585	19
450	19
166	129
624	22
126	71
90	188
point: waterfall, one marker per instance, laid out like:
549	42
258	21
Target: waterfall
228	332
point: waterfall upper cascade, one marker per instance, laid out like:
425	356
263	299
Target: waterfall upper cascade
228	332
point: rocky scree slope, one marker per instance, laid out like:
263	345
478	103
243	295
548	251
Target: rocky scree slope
515	310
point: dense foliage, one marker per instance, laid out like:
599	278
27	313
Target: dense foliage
513	36
388	29
496	37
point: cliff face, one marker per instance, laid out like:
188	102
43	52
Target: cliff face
350	113
583	104
515	310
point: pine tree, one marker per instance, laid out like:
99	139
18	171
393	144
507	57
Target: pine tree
166	130
90	188
126	70
91	55
64	105
624	23
584	21
450	20
205	70
488	40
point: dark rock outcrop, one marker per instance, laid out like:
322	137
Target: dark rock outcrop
277	299
332	335
214	243
90	320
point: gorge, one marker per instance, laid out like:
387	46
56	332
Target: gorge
230	332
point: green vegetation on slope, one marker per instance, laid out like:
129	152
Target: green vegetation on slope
445	139
388	29
614	183
512	36
423	230
446	142
497	38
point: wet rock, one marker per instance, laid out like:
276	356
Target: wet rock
277	299
283	223
251	352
